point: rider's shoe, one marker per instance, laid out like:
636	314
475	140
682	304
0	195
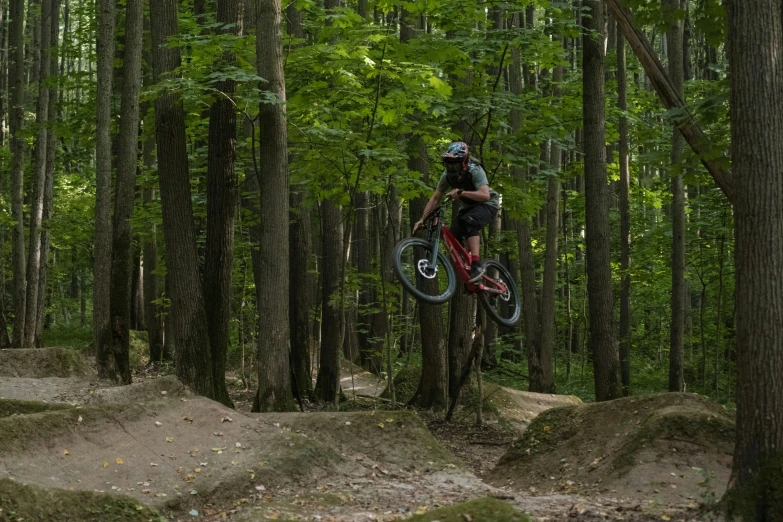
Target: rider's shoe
477	271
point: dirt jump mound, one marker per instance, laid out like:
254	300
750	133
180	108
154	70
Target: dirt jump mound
674	448
37	504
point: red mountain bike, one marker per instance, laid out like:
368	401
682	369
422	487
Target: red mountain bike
431	278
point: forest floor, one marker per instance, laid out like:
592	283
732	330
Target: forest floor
84	443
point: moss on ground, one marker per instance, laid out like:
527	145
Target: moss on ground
12	407
34	504
484	510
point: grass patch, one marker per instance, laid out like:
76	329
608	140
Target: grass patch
485	510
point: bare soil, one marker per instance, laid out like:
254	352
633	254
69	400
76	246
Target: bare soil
672	449
79	443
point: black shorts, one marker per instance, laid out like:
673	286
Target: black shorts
471	220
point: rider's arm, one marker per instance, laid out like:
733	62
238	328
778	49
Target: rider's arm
481	194
432	203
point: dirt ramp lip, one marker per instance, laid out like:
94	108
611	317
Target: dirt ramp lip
11	408
674	447
395	439
39	363
175	455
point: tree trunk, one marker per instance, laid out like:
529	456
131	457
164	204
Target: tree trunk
221	206
606	357
187	312
103	172
302	295
527	279
363	247
433	386
327	387
274	370
16	121
755	490
113	359
51	150
663	86
679	289
546	347
152	313
36	208
625	222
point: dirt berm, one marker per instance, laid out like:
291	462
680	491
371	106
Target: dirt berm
674	448
183	454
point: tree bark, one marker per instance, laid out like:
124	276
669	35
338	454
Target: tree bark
36	207
301	297
187	312
755	50
274	377
327	386
546	347
152	312
221	206
113	359
302	292
606	357
433	386
679	288
625	221
103	171
51	150
16	121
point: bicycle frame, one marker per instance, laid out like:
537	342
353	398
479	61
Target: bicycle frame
460	258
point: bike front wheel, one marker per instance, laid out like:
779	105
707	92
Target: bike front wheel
412	263
501	299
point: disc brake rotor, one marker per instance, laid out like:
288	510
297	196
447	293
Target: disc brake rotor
426	270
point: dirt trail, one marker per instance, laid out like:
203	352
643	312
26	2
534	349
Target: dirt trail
157	445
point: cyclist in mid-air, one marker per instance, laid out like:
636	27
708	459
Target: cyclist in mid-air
479	203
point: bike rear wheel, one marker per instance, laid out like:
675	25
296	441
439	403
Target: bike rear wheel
412	258
505	308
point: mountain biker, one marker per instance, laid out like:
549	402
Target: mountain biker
479	203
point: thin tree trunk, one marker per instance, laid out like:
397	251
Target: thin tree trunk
606	357
301	296
51	150
103	143
433	387
16	120
152	313
274	370
755	49
327	385
546	347
625	221
187	312
113	359
36	207
221	206
679	287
